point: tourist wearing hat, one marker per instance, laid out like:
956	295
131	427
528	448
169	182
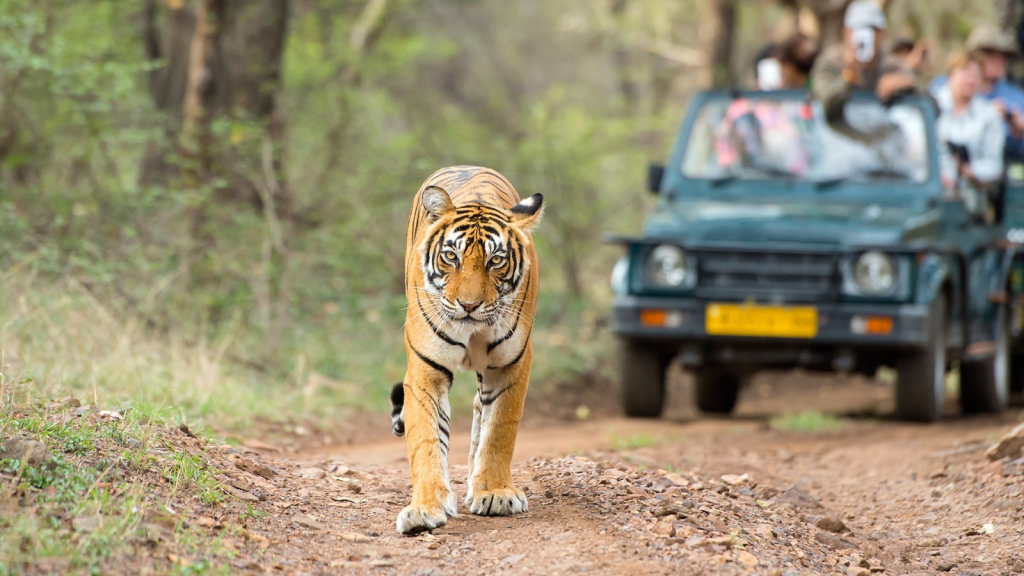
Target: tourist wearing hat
859	63
994	48
971	125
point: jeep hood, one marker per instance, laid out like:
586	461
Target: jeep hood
796	223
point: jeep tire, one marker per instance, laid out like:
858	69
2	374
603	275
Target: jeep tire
1017	373
642	368
716	389
921	373
985	384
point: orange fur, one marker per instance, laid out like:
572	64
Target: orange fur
472	279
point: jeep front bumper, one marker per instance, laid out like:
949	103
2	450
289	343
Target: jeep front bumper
839	323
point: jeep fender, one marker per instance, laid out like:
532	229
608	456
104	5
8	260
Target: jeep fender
945	271
932	274
987	277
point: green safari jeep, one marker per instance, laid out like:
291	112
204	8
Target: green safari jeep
780	241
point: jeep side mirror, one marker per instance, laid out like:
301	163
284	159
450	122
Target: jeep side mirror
655	174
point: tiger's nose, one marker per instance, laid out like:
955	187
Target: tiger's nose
469	306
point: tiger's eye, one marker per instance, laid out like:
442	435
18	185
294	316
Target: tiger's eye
498	261
450	256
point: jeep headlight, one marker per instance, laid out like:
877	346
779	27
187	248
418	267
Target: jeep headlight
620	276
670	266
873	273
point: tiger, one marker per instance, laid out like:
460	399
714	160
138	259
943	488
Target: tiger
471	282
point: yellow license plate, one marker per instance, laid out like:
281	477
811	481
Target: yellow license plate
754	320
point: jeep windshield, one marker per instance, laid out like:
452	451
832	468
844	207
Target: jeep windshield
786	137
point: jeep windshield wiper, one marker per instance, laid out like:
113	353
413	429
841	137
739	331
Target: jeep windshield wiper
866	176
887	173
828	183
716	182
752	172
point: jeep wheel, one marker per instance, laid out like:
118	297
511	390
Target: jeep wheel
985	384
1017	373
1017	358
642	376
716	389
921	373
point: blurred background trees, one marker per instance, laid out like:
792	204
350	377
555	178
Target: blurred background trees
240	172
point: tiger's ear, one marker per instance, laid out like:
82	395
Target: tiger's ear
526	215
437	202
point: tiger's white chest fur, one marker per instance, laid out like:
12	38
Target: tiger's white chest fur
476	359
486	347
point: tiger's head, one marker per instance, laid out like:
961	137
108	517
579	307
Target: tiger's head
474	257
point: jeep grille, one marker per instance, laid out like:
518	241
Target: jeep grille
771	276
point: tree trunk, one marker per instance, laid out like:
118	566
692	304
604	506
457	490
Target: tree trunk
720	17
829	14
192	112
220	59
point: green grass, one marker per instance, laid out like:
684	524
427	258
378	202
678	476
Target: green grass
810	421
634	441
190	473
90	502
60	341
253	513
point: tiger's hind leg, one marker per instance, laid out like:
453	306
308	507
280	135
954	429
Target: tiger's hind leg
428	435
500	399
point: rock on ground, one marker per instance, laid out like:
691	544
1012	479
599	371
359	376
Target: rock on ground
32	452
1009	445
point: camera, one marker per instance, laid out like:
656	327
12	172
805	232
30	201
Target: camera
864	44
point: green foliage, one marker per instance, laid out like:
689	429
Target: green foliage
253	513
633	442
193	297
810	421
87	504
108	286
190	472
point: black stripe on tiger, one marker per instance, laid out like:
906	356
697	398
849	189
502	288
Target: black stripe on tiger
454	177
519	313
487	398
518	358
440	333
444	371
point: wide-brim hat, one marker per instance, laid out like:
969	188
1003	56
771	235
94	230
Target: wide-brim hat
988	37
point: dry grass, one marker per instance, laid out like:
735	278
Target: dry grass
65	342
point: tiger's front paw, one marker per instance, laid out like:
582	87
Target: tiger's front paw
499	502
416	518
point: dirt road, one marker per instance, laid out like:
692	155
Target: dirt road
617	496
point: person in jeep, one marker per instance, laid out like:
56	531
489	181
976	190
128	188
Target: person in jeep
970	134
995	47
859	63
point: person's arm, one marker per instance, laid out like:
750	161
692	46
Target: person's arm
897	78
947	164
1014	146
1014	104
832	84
988	166
1014	143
